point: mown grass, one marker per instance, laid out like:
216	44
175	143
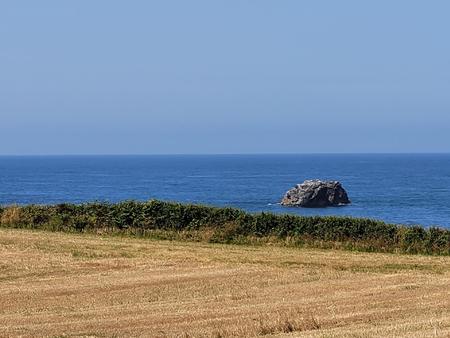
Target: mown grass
175	221
80	284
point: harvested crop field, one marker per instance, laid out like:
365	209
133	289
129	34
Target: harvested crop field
68	285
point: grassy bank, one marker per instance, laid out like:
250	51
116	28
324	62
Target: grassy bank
227	225
84	285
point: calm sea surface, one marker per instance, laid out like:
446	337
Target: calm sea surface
408	189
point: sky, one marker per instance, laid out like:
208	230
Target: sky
231	76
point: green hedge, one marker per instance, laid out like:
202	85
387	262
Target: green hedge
229	225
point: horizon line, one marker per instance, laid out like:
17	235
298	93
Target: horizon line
222	154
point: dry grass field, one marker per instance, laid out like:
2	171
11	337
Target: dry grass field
66	285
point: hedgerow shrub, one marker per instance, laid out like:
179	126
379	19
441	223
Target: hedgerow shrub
228	225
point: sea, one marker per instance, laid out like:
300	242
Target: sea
405	189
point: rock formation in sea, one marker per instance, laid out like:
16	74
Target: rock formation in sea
316	194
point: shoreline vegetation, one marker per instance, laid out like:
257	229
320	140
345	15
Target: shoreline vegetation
187	222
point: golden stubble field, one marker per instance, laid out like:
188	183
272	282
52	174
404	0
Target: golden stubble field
66	285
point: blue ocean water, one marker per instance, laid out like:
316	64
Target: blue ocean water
407	189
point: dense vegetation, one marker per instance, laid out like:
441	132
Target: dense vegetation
227	225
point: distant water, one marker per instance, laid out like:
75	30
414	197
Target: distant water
408	189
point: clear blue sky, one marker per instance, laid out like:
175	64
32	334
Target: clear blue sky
149	77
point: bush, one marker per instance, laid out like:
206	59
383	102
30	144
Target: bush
228	225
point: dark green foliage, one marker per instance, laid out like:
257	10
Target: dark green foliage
228	225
